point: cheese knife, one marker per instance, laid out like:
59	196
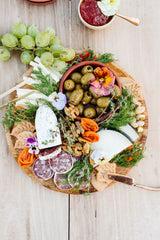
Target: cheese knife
130	181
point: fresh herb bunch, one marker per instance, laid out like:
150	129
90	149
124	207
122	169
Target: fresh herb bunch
129	157
80	174
122	112
46	84
13	115
90	55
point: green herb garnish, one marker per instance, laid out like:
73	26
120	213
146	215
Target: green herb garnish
13	115
122	112
105	58
129	157
46	84
80	174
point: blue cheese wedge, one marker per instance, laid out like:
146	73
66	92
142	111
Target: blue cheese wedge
48	133
129	132
110	144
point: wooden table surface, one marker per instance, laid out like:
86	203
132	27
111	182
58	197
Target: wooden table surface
31	212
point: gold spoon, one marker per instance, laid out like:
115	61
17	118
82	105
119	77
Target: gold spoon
132	20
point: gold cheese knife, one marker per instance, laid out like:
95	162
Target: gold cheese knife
130	181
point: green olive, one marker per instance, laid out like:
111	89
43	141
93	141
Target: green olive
103	102
117	92
76	96
80	108
93	93
86	98
68	94
69	85
88	77
90	112
76	77
78	86
87	69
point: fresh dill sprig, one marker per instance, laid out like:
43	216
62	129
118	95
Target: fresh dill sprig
13	115
129	157
46	84
123	112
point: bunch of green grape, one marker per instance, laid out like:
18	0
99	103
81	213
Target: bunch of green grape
30	42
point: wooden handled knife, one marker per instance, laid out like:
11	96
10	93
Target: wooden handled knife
130	181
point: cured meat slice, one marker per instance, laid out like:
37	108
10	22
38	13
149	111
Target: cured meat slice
49	153
62	163
43	170
61	182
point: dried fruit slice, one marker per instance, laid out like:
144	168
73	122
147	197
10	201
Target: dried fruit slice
43	170
62	163
61	181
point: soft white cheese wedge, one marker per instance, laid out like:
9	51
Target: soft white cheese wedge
48	133
30	96
129	132
56	76
111	143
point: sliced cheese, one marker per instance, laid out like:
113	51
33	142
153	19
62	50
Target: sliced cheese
48	133
129	132
29	96
111	143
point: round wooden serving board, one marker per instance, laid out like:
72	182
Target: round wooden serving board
136	90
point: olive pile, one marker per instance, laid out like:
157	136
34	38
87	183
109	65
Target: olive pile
80	94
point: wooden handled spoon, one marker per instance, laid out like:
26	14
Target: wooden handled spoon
130	181
132	20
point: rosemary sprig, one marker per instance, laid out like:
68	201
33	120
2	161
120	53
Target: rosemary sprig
129	157
46	84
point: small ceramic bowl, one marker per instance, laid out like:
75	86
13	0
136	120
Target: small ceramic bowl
78	66
89	25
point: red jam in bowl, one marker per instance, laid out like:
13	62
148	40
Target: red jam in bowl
92	14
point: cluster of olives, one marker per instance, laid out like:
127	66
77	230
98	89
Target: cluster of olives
79	93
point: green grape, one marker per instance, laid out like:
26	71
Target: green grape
1	39
4	54
47	59
60	66
19	30
68	55
27	42
9	40
57	40
26	57
52	34
39	52
42	39
57	49
33	31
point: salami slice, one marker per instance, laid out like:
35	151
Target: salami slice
43	170
61	182
62	163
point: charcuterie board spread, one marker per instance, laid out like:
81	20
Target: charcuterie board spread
73	123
